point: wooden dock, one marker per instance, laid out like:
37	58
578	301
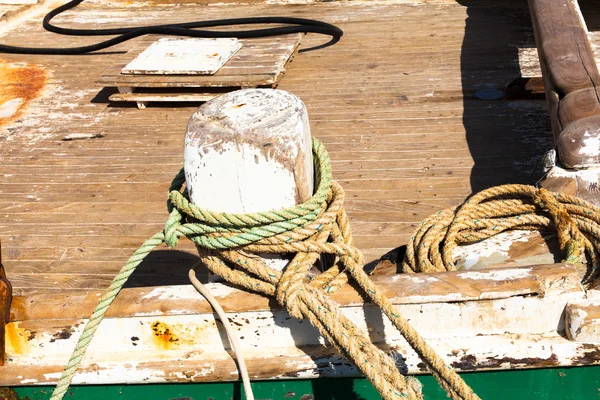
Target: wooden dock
395	102
394	107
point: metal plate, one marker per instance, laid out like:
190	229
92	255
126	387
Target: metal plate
183	56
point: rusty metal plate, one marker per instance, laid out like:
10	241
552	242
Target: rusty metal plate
183	56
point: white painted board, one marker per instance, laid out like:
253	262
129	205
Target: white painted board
183	56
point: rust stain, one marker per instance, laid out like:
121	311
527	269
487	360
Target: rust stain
20	83
63	334
18	309
591	354
470	363
17	338
538	362
466	363
164	335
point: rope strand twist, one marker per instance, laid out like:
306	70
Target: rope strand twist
503	208
228	244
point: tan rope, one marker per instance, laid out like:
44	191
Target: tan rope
502	208
233	339
228	245
305	298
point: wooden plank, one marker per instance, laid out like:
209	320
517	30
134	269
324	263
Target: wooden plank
254	72
20	11
571	79
581	183
403	115
169	97
539	280
5	304
582	320
208	364
187	56
175	326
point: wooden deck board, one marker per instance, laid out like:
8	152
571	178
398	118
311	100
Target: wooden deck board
392	102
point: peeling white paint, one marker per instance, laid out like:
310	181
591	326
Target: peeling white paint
581	321
497	275
493	250
147	314
187	292
506	327
576	318
220	290
264	161
172	292
113	374
198	336
593	294
588	175
53	376
40	123
195	374
591	145
217	168
416	278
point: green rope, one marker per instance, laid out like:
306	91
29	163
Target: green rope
248	228
98	314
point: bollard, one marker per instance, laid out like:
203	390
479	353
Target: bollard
250	151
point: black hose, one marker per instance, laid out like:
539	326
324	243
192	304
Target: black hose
298	25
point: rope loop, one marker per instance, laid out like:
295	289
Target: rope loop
502	208
171	230
237	247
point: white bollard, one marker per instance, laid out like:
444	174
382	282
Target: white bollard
249	151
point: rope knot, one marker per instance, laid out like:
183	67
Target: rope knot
235	246
171	230
571	240
288	297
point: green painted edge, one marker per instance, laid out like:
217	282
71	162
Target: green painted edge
578	383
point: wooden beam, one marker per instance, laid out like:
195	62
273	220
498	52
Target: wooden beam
488	319
583	183
571	79
582	320
489	284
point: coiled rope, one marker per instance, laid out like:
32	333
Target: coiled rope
509	207
226	244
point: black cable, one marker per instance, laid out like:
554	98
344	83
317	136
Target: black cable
299	25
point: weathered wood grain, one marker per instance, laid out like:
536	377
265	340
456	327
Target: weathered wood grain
571	79
582	320
260	62
174	325
538	280
399	121
584	183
